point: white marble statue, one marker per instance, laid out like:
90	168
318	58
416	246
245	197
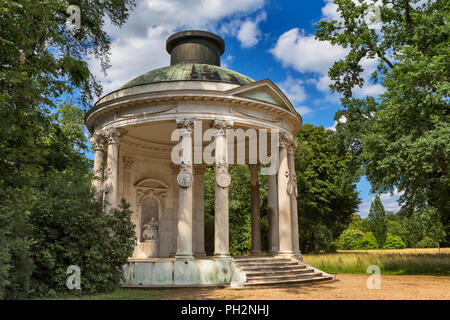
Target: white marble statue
150	230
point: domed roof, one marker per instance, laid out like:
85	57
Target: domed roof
190	71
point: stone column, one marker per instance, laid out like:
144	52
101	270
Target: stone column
199	211
127	166
255	210
185	195
112	169
272	206
98	143
175	169
223	180
284	202
292	190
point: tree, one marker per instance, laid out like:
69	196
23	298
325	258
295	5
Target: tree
327	192
368	242
396	229
377	221
427	242
350	239
393	242
400	140
431	224
42	63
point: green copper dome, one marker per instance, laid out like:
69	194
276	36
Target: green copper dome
190	71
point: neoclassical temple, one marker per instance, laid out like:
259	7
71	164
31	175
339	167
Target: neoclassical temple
154	138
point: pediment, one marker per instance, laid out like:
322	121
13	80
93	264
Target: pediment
264	91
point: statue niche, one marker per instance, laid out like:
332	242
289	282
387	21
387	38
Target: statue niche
149	219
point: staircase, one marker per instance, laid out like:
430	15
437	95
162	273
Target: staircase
262	271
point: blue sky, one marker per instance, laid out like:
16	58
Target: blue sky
264	39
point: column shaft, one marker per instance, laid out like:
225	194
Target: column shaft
185	202
284	204
112	172
97	141
272	204
293	199
255	210
199	211
223	179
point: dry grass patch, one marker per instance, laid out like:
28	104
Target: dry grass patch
389	261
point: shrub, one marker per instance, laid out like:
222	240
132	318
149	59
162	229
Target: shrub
70	228
350	239
368	242
394	242
427	242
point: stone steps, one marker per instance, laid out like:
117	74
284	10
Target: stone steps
267	278
278	272
295	281
262	271
270	268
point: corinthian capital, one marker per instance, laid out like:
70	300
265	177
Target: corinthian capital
185	123
222	125
113	136
284	140
98	141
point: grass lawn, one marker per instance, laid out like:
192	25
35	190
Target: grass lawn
404	261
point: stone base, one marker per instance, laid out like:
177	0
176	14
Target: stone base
150	248
178	273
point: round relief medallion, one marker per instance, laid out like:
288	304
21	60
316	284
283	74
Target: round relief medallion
184	179
223	180
290	187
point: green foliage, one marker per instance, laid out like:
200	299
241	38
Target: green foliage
369	242
72	229
350	239
377	220
399	140
327	196
393	242
422	224
396	229
427	242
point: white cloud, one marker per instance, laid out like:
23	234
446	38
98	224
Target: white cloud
139	45
245	30
296	93
342	119
390	203
293	89
304	53
249	32
226	61
303	110
329	11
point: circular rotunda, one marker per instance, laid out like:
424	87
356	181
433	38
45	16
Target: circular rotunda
153	139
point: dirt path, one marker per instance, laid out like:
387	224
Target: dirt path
346	287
